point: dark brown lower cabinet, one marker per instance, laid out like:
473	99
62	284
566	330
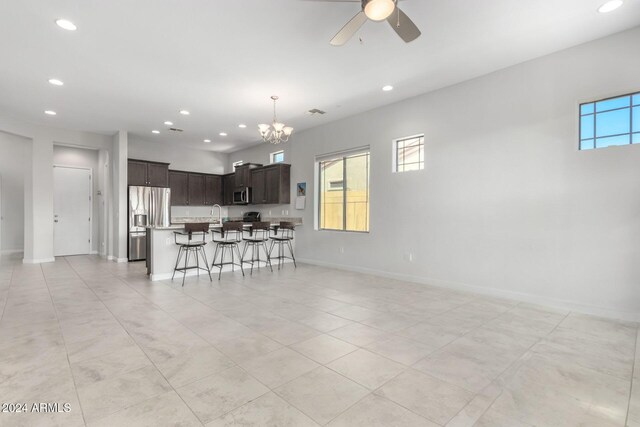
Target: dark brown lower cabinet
179	185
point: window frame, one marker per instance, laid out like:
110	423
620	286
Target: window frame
631	133
273	155
395	157
342	156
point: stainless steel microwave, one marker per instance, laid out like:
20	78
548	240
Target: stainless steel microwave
242	197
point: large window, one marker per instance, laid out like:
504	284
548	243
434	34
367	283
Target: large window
610	122
408	154
344	192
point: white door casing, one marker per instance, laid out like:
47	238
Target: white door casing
72	210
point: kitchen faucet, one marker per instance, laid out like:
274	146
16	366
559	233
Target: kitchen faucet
219	212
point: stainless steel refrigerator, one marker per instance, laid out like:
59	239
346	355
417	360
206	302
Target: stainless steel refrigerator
148	207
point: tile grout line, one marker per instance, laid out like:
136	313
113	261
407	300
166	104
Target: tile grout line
511	365
55	310
139	347
633	371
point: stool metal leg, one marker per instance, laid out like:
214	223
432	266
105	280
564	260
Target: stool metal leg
177	262
264	245
292	256
237	248
206	263
186	260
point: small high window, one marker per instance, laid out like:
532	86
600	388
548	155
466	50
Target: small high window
610	122
408	154
277	157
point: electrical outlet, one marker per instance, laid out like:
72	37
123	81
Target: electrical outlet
408	256
341	249
168	241
287	212
269	213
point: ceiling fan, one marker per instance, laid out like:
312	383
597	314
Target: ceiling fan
378	10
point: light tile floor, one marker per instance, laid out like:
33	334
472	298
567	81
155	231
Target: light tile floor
299	347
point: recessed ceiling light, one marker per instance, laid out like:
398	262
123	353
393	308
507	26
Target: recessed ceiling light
207	140
66	24
223	134
155	131
610	6
184	112
50	112
56	82
242	126
387	88
168	123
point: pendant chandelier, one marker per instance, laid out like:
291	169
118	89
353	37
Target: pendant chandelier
276	132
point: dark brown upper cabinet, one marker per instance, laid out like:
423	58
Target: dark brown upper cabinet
258	194
228	186
179	184
196	190
144	173
213	190
243	174
272	184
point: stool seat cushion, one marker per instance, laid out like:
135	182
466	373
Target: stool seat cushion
192	245
282	239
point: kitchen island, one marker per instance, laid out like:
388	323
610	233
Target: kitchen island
163	251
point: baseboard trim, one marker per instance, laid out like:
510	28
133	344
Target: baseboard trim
37	260
11	251
494	292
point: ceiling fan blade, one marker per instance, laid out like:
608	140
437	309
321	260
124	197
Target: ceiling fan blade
403	26
349	30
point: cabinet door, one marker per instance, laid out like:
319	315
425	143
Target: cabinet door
196	190
136	173
179	184
212	190
157	175
272	185
284	190
229	185
258	190
242	176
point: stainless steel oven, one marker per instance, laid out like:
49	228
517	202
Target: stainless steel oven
242	197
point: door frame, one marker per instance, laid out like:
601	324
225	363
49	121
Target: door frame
55	165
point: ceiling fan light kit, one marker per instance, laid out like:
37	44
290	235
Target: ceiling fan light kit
379	10
276	132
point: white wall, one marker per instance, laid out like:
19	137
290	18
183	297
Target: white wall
12	163
86	158
38	180
186	159
506	204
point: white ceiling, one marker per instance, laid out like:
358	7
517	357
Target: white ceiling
133	64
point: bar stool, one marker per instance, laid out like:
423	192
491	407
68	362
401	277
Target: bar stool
258	238
195	242
230	237
284	238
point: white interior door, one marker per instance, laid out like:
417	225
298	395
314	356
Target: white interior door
71	210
